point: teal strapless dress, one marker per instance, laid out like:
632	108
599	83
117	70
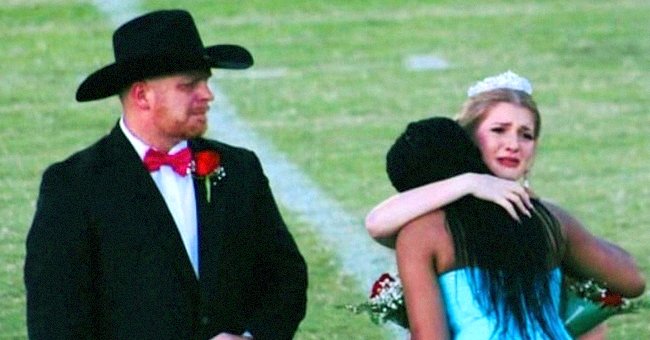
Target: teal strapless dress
467	321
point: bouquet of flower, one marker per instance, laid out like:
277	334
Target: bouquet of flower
587	303
386	302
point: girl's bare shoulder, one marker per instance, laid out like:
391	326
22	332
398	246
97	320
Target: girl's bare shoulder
429	233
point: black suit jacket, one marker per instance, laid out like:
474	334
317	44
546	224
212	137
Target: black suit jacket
105	259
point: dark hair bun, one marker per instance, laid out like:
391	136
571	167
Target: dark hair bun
431	150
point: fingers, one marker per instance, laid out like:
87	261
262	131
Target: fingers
522	202
516	197
525	195
508	194
507	205
530	192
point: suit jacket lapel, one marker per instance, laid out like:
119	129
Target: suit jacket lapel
211	220
129	173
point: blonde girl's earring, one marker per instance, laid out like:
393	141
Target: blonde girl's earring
526	181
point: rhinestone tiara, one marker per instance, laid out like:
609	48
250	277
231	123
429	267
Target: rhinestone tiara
506	80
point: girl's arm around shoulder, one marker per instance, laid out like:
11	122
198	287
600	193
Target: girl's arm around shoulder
588	256
417	250
385	220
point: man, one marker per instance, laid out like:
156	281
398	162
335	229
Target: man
155	232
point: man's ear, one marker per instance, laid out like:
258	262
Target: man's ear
139	95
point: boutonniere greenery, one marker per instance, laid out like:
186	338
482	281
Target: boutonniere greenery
206	166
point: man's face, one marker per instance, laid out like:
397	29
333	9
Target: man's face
179	104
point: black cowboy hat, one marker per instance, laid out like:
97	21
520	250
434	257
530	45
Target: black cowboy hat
158	43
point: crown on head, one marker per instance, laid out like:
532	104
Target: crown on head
507	80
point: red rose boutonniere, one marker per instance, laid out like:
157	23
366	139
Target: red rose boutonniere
206	165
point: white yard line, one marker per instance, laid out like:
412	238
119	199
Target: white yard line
119	11
345	234
295	191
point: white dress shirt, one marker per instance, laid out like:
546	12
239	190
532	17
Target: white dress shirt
178	192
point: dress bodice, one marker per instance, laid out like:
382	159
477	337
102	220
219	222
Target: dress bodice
468	321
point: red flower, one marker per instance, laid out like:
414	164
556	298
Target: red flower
611	299
206	165
380	284
206	162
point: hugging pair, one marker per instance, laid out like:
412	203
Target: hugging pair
479	255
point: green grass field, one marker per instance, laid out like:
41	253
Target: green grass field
336	95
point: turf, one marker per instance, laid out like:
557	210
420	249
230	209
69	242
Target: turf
331	91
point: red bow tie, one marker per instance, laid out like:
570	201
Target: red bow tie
179	161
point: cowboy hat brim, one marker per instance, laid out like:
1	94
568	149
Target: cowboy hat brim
111	79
